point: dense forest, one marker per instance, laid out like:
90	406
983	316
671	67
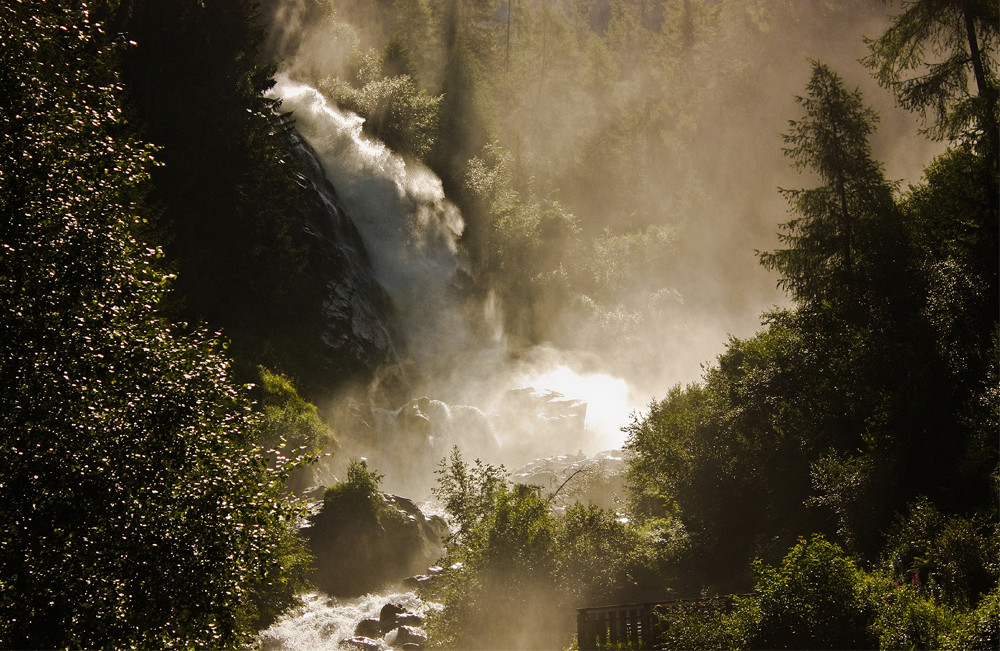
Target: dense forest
170	371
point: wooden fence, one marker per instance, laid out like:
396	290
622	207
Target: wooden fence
633	625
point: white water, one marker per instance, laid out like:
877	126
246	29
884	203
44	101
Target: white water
320	622
409	227
411	232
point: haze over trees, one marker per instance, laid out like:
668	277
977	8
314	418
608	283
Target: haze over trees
841	463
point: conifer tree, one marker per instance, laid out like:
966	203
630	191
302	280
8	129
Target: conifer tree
927	57
836	245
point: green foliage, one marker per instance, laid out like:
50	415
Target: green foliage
287	415
847	236
634	261
604	557
730	457
517	570
468	493
906	616
818	597
360	493
290	426
927	56
504	594
529	243
979	628
703	624
395	109
953	558
138	511
663	446
814	600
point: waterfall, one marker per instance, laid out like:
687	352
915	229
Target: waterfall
480	398
408	226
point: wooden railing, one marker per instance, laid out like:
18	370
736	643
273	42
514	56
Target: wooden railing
605	626
633	625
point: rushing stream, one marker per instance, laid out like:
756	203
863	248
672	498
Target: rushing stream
321	622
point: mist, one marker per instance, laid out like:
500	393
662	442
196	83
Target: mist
678	129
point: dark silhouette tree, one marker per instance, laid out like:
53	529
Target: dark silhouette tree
927	57
846	235
137	511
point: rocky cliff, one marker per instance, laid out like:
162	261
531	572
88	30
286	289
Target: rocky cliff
353	332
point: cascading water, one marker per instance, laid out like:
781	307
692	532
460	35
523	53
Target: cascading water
409	228
320	623
411	233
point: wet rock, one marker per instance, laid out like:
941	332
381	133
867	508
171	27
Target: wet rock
369	628
359	548
406	635
545	407
416	582
409	619
387	616
362	644
351	337
410	635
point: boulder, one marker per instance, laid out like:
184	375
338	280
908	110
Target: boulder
387	616
405	635
409	619
539	420
362	545
369	628
362	644
410	635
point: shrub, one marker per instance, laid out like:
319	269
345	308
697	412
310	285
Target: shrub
906	616
814	600
978	629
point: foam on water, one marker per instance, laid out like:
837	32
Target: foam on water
410	229
320	622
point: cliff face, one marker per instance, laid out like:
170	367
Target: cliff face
353	332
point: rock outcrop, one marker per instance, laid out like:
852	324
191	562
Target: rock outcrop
360	546
395	628
353	337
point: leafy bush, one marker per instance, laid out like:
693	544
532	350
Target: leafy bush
395	109
290	426
360	492
978	629
468	493
814	600
518	570
703	624
138	510
951	557
906	616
